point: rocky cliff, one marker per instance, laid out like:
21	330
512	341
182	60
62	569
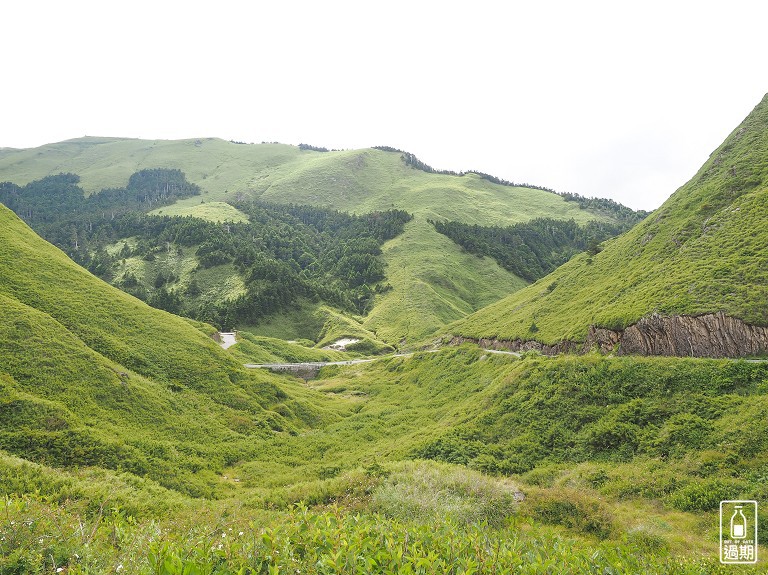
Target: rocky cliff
710	335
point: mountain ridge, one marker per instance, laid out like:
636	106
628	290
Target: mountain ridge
434	278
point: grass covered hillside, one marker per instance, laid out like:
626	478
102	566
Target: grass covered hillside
92	376
130	442
704	250
216	165
435	279
624	478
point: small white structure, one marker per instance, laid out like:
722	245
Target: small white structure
341	344
227	339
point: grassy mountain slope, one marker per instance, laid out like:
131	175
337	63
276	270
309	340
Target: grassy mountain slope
368	180
703	250
92	376
137	444
432	278
216	165
434	281
107	320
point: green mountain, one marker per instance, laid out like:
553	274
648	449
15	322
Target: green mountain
93	376
702	253
429	280
131	442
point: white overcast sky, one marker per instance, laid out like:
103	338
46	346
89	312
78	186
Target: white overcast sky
614	99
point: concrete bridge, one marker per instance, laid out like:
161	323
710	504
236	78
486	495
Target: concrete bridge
307	370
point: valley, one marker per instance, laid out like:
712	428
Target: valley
228	358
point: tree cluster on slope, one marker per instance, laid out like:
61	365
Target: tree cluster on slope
315	148
52	198
282	254
606	206
531	249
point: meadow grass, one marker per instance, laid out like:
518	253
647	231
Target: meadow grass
258	349
321	325
217	166
41	535
622	511
305	321
434	282
210	211
368	180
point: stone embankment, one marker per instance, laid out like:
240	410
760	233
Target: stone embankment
709	335
520	345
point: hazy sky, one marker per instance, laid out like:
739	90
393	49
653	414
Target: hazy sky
615	99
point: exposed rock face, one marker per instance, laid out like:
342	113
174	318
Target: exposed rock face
710	335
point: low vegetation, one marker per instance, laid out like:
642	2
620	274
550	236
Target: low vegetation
339	498
143	469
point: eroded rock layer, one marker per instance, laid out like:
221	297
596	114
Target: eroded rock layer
709	335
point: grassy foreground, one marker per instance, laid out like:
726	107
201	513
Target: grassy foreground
419	518
600	496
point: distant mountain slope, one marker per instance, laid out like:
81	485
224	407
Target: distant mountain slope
215	165
92	376
704	251
370	179
353	180
434	279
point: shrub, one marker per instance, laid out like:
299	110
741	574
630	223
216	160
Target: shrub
703	495
571	509
681	432
646	543
543	476
608	435
369	347
429	491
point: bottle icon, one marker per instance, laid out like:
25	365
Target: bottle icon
738	524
